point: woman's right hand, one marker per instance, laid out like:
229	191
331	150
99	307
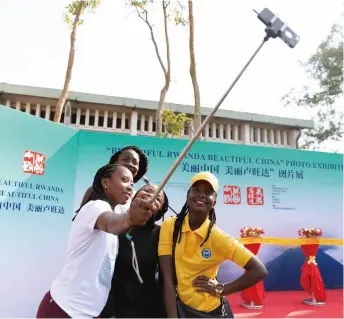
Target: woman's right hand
140	211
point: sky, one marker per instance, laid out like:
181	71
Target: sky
115	56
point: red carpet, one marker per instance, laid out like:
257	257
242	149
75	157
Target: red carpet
288	304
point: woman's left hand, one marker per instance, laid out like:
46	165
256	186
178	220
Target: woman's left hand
205	284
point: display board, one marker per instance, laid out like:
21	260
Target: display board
281	190
38	162
45	169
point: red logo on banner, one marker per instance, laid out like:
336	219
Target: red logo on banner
34	163
231	195
255	196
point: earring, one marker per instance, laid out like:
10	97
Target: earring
105	187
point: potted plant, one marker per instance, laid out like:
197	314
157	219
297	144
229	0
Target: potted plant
251	232
311	279
310	232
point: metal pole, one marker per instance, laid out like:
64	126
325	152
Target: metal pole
204	123
146	180
200	129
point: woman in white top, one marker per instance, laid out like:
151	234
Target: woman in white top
136	161
82	288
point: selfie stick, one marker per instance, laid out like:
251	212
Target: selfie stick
275	27
145	179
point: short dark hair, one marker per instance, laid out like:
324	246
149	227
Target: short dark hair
143	164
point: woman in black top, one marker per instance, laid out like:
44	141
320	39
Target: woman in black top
128	297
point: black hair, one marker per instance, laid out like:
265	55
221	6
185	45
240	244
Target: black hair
143	164
163	209
181	216
97	187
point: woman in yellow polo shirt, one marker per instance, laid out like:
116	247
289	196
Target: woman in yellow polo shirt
191	249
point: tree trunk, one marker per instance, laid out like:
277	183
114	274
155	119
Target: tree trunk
167	73
197	96
63	97
160	110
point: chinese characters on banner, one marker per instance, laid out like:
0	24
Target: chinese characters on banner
255	196
34	163
232	195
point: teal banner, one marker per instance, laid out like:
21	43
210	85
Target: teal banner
37	173
45	169
280	190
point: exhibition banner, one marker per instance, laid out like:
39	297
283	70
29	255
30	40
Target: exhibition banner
278	189
37	172
45	169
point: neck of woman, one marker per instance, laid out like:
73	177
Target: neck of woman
113	204
196	220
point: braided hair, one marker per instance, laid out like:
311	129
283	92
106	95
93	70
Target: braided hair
143	164
97	187
181	216
162	211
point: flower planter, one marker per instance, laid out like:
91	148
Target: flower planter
253	297
311	279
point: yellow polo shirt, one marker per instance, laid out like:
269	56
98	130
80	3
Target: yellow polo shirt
193	261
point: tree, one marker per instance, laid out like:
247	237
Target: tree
193	74
174	123
142	12
75	9
325	69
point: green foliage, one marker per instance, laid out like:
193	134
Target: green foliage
325	69
175	11
177	14
138	4
73	8
174	123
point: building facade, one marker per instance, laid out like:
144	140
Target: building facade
136	117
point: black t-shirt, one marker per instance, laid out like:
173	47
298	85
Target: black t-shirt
128	297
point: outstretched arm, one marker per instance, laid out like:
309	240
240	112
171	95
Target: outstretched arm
113	223
139	213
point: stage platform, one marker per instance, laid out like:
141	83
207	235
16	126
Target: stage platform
288	304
